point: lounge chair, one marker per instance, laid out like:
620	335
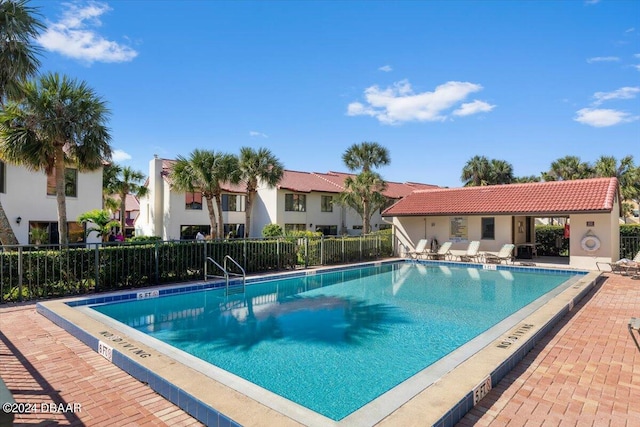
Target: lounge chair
624	266
505	254
443	252
421	249
472	253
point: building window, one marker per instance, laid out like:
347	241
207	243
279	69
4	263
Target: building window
294	227
326	204
70	183
488	229
3	177
233	230
193	201
327	230
232	203
188	232
42	232
295	202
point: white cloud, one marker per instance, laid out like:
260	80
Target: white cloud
386	68
254	133
75	35
603	59
603	117
398	103
474	107
622	93
120	155
591	1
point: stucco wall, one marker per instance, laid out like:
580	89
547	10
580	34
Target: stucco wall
605	227
411	229
26	197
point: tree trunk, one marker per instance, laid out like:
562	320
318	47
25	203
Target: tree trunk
247	212
7	236
366	216
219	209
123	211
63	228
212	218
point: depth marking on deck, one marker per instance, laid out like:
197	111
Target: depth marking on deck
515	336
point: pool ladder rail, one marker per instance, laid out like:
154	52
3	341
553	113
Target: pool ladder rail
226	274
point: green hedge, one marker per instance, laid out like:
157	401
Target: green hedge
630	230
551	241
130	265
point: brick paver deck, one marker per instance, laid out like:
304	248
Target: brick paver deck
585	373
42	364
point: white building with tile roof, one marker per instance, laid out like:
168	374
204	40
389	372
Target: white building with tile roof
301	201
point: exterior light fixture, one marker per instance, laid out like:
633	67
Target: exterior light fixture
19	220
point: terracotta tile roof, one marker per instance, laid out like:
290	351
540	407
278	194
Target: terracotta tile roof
306	182
585	195
333	182
131	202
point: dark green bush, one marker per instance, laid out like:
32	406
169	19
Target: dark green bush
551	241
142	262
272	230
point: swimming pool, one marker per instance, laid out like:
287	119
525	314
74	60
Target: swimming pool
438	395
336	341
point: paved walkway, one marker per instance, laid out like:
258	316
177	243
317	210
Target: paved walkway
43	365
585	373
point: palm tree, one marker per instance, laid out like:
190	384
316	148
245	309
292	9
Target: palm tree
127	181
525	179
205	171
58	122
257	165
109	181
19	25
568	168
626	172
476	172
500	172
363	193
101	222
365	155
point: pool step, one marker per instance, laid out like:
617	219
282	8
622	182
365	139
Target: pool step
235	290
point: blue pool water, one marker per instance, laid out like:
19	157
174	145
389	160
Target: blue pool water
333	342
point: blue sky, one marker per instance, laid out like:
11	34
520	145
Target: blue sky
435	82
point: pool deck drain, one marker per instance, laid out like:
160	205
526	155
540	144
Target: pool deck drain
52	367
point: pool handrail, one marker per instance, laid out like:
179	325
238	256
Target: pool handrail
225	271
230	273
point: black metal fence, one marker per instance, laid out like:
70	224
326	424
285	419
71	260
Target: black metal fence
629	246
45	271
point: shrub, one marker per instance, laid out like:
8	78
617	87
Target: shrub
145	239
551	241
272	230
